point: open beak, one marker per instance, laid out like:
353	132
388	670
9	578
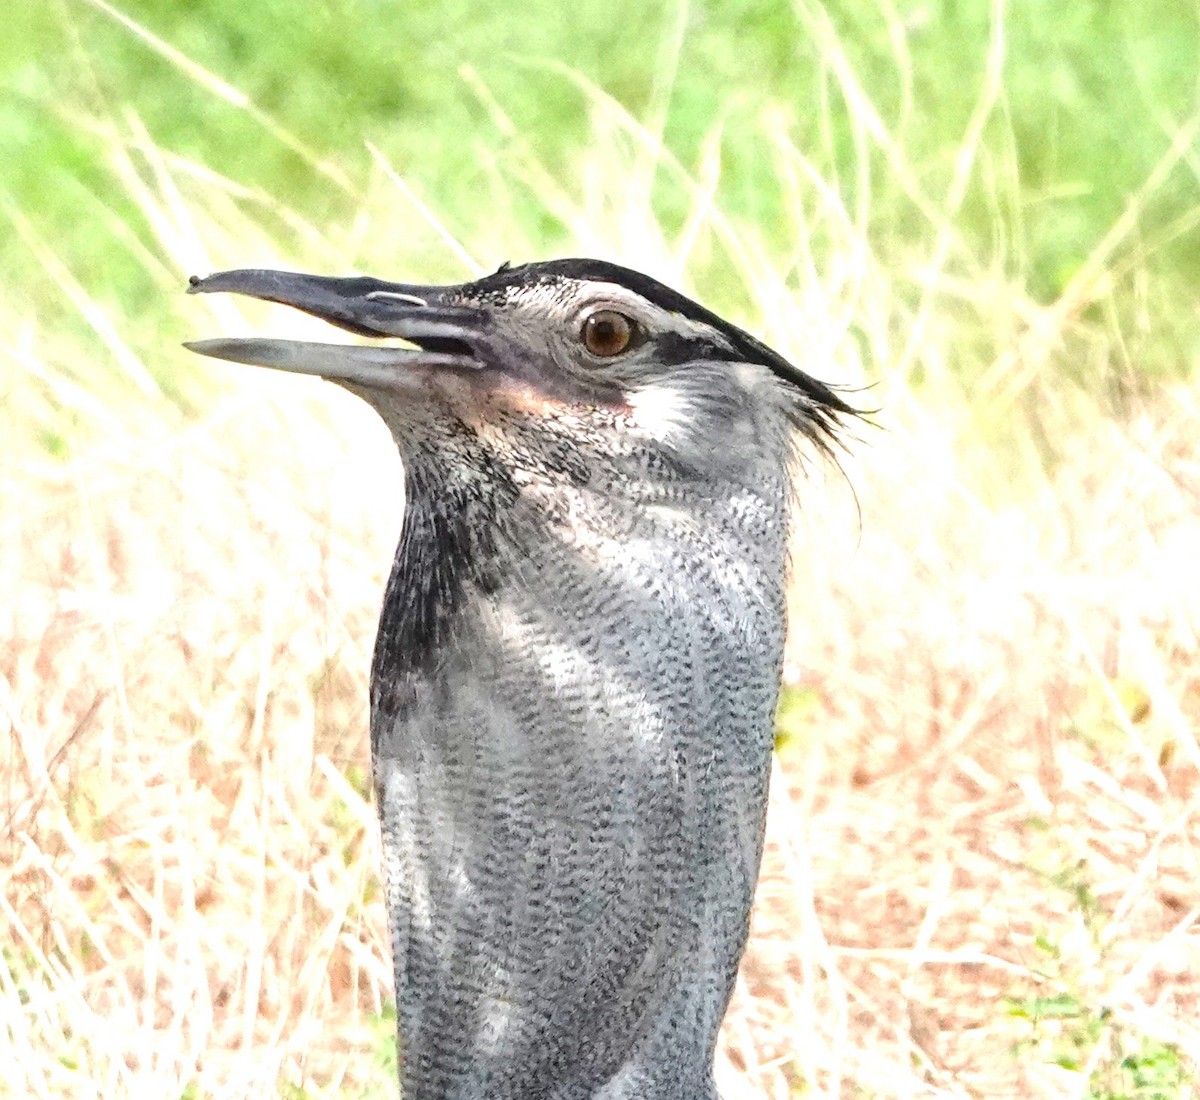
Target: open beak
446	335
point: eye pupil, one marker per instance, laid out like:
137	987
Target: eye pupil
607	333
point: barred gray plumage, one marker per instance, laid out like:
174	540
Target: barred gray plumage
577	664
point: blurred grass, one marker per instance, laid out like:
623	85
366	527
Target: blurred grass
457	95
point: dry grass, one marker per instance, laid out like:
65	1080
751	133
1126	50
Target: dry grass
983	876
991	791
190	859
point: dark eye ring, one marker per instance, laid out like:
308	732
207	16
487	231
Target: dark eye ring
607	333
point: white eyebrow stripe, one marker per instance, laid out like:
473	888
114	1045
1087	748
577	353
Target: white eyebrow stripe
615	296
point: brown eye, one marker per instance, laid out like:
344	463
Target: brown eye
607	333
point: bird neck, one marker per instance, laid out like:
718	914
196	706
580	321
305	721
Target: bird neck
573	693
450	551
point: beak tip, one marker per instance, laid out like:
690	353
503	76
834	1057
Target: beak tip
231	350
196	347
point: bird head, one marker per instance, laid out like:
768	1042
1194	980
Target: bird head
572	354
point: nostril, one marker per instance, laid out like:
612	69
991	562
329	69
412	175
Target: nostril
397	296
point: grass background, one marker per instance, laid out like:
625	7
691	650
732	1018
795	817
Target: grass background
981	878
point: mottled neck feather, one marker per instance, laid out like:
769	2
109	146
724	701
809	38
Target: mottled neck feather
574	682
447	556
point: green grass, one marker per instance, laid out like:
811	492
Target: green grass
1085	101
1068	1028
